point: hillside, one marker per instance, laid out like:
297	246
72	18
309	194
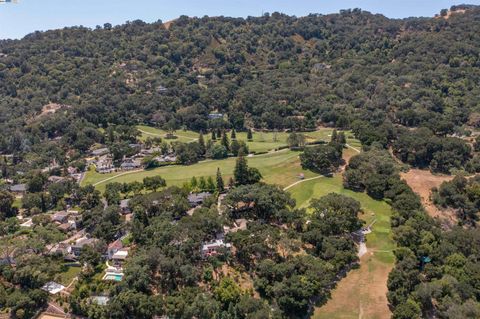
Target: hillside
274	71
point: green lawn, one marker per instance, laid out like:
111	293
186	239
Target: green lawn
66	277
281	168
262	141
182	136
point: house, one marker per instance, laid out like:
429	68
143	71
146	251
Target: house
100	300
60	217
56	179
195	199
151	151
53	288
213	247
72	170
213	116
170	158
68	226
100	152
61	249
113	248
124	206
76	249
129	164
19	189
119	257
161	89
104	165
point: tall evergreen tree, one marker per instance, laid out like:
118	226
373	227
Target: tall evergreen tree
341	139
233	134
202	183
240	172
334	136
210	184
201	142
220	184
214	137
249	134
225	142
193	183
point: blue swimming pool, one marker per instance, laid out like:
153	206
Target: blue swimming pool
115	277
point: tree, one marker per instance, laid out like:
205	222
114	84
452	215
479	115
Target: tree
210	184
201	142
36	183
214	137
217	151
225	142
240	172
322	158
202	183
295	140
112	196
408	310
333	138
153	183
249	135
244	175
237	145
233	134
136	187
228	291
335	214
220	184
193	182
6	205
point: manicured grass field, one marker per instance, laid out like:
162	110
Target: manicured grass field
281	168
362	293
262	141
182	136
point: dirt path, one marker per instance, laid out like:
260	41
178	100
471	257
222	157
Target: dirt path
113	177
302	181
353	148
163	135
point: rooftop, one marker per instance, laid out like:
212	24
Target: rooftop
53	287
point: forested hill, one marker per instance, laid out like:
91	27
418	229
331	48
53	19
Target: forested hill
274	71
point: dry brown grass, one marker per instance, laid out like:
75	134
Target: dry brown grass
422	182
243	279
362	294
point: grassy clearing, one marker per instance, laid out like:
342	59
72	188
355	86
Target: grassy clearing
362	293
66	277
281	168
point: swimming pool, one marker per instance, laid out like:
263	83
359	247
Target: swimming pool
113	276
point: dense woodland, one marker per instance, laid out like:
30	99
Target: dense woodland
405	87
351	70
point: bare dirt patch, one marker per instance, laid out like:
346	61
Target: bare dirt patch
450	13
52	108
168	24
422	182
